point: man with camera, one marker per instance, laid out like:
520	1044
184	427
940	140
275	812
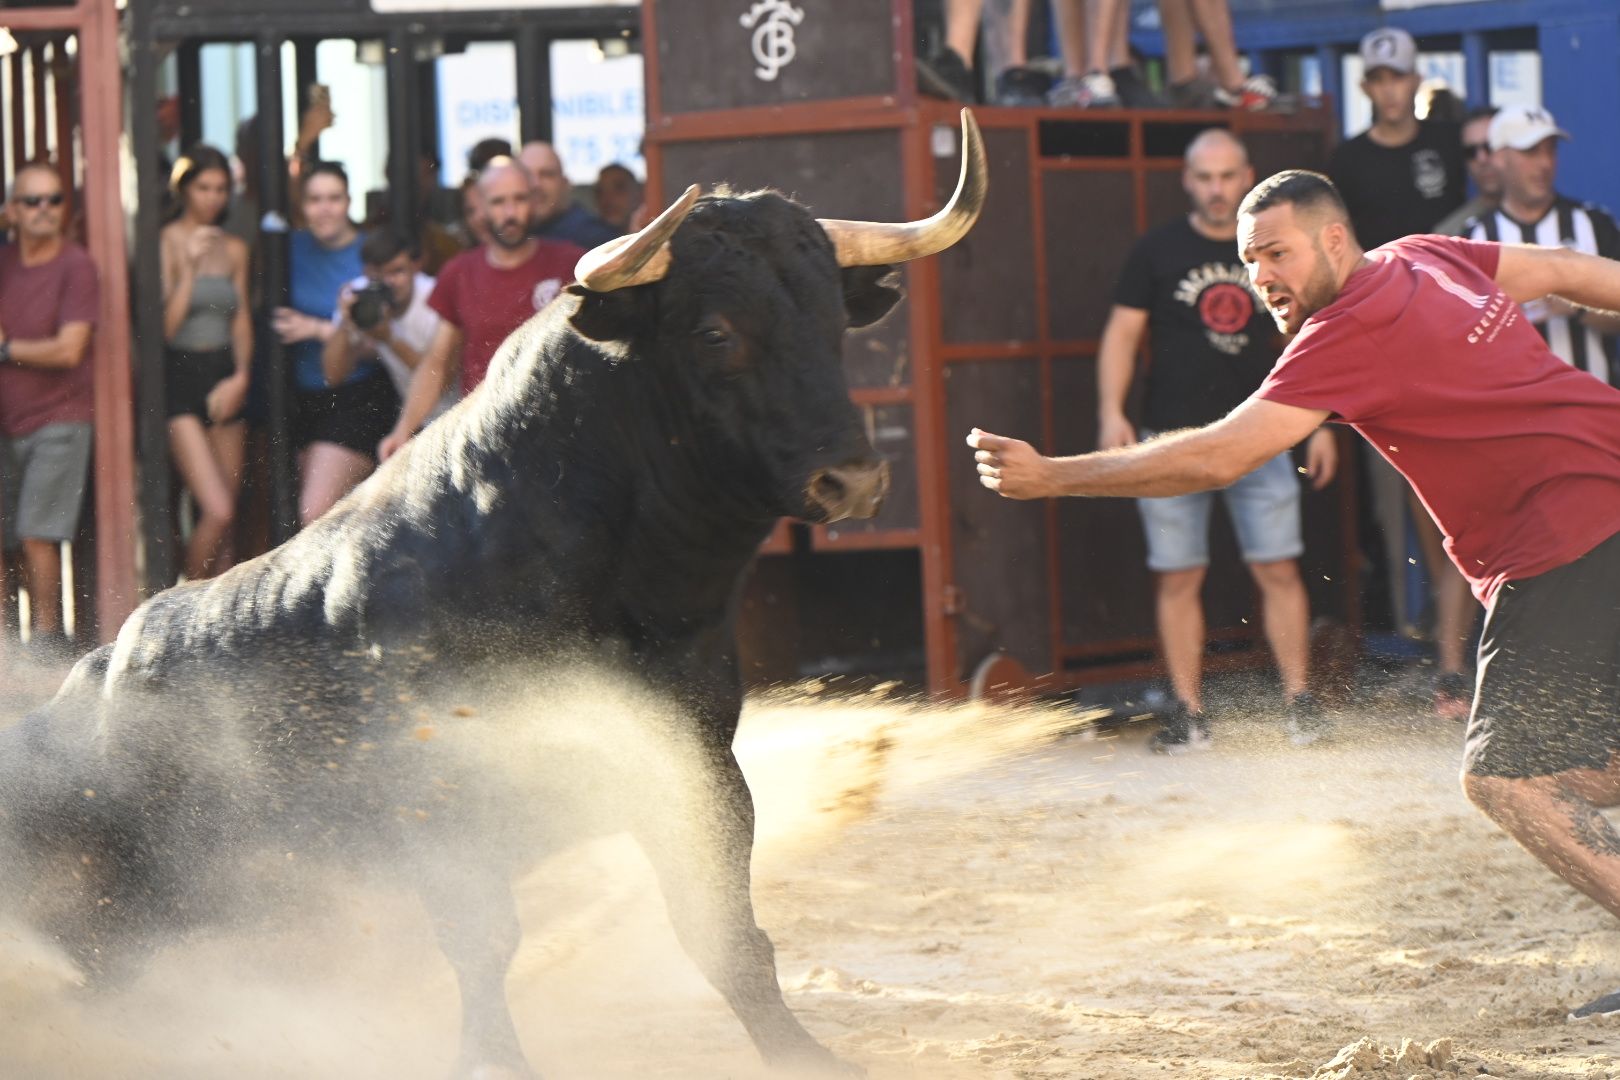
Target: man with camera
385	314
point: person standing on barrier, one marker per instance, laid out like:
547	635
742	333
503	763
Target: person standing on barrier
1212	344
49	299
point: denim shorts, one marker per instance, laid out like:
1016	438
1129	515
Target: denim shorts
1264	507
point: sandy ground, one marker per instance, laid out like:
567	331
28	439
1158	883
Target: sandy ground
953	893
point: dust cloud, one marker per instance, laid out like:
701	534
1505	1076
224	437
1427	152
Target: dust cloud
954	892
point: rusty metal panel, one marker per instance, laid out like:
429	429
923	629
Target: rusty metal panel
1274	151
854	174
999	552
1165	198
987	281
734	54
1106	589
1089	228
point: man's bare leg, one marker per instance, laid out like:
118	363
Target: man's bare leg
1181	633
42	561
1557	819
1285	609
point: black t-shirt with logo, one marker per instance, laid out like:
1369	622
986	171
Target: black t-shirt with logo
1212	341
1395	191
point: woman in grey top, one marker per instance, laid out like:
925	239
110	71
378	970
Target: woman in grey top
209	333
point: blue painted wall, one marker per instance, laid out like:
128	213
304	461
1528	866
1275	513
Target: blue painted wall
1579	42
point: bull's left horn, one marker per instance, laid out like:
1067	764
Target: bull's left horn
876	243
639	258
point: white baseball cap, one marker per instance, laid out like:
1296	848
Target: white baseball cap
1523	127
1389	47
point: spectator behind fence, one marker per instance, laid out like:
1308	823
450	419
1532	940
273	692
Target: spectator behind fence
554	215
948	70
1097	69
1402	176
1476	145
484	151
1212	345
49	298
384	314
485	294
338	428
474	225
1524	149
208	332
436	244
618	196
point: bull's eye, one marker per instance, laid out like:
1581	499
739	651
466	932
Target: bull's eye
714	337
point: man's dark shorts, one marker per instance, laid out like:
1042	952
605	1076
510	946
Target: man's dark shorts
1549	672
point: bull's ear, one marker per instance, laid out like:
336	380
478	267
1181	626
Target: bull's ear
607	316
866	298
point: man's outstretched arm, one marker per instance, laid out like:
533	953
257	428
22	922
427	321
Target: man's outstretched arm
1526	272
1198	459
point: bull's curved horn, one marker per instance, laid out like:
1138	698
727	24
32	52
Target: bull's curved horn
639	258
876	243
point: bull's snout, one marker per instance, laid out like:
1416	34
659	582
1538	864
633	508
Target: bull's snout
849	491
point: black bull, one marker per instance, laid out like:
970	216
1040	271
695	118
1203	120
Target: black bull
595	504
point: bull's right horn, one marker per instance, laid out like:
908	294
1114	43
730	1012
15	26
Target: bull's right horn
877	243
639	258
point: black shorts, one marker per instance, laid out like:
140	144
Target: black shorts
355	415
1549	672
189	377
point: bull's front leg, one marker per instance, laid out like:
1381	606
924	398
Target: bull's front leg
476	922
702	851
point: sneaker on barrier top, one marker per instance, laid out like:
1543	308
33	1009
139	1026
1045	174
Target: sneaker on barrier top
1182	730
1134	92
1254	93
1306	724
1022	86
946	75
1095	90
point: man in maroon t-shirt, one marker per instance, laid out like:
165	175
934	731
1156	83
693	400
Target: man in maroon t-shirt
48	302
485	294
1421	346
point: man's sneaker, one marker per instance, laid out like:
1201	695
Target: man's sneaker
946	75
1254	93
1195	93
1306	724
1133	92
1453	695
1607	1005
1182	730
1024	86
1094	90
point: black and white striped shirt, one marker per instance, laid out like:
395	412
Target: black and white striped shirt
1579	227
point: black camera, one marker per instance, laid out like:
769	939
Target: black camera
371	305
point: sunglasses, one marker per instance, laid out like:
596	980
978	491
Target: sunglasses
33	201
1474	149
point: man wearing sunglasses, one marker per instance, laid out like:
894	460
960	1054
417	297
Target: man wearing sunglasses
49	297
1476	146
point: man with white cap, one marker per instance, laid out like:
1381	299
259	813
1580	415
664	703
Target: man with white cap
1524	149
1402	175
